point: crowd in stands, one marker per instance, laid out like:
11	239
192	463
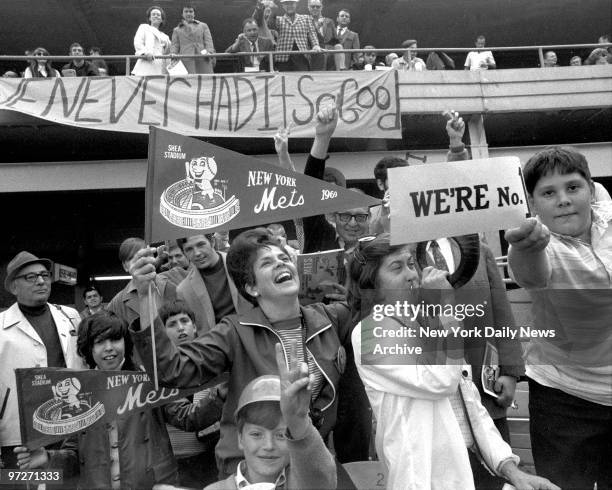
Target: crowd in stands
272	27
301	397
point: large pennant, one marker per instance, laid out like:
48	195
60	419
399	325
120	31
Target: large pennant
56	403
195	187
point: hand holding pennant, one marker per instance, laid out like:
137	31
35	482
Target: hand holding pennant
195	187
143	273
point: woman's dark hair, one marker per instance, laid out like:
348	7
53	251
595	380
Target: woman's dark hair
265	413
99	327
51	72
163	14
243	254
363	267
175	308
563	160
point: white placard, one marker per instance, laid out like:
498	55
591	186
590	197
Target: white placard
455	198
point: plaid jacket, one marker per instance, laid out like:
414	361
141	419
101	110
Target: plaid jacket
301	31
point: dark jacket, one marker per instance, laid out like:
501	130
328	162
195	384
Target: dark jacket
245	345
319	235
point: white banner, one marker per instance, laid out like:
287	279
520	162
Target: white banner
457	198
237	105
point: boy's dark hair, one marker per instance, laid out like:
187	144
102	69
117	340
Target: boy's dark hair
248	20
88	289
563	160
209	236
129	247
380	171
99	327
175	308
243	254
266	414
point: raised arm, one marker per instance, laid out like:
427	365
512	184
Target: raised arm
189	365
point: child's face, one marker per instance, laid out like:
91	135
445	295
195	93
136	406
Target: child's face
563	203
180	328
265	451
108	353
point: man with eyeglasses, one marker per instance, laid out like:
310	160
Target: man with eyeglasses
33	333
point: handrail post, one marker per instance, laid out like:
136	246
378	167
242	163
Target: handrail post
541	55
127	66
271	62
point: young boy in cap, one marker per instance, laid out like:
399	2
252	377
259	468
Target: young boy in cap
564	258
282	449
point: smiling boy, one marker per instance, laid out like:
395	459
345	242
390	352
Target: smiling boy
564	258
281	447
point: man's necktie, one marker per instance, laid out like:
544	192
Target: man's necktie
254	59
439	260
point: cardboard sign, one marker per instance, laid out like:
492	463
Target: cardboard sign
195	187
457	198
237	105
55	403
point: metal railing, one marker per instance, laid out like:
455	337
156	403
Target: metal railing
270	54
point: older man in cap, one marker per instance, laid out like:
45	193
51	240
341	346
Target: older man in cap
33	333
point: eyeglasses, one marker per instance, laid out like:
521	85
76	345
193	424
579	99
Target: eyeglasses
32	277
346	217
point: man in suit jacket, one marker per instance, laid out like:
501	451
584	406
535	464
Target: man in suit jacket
193	37
347	38
208	288
32	333
249	40
326	34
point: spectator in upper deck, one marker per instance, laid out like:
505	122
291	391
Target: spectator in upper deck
599	56
150	42
480	60
99	63
409	60
81	67
296	32
347	38
550	59
263	21
390	58
605	39
193	37
40	68
326	34
576	61
249	41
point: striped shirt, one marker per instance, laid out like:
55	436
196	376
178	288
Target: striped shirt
292	330
577	305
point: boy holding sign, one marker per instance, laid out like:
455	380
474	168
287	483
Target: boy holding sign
564	258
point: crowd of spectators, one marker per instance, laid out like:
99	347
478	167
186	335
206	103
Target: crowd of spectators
273	28
300	397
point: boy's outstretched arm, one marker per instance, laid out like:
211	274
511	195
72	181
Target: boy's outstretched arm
527	254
